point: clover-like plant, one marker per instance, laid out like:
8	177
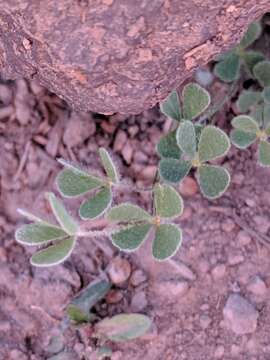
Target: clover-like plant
74	181
136	224
229	65
249	129
198	148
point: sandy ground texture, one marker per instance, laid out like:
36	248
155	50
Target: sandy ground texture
211	303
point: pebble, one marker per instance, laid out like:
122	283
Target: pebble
235	259
219	271
228	226
127	152
17	355
205	321
139	301
239	315
79	127
137	278
148	173
188	187
262	223
219	352
119	270
120	140
172	288
257	286
243	238
114	296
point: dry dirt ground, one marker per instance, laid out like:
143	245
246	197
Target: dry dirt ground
211	303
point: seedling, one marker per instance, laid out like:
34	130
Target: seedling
74	181
229	65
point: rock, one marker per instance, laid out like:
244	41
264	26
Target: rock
243	238
205	321
127	152
219	271
80	127
17	355
139	301
114	296
119	270
239	315
171	288
148	173
219	352
257	286
188	187
138	277
235	259
262	222
228	226
120	140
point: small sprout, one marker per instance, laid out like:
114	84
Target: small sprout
262	73
123	327
43	233
171	106
248	99
248	129
168	205
167	146
79	308
74	181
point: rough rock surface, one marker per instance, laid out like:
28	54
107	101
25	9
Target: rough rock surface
116	55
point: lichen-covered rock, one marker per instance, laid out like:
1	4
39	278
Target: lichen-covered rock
117	55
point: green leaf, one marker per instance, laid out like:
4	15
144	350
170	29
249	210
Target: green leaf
213	143
245	123
123	327
168	203
131	237
261	114
167	241
213	180
72	184
186	138
247	99
96	205
31	217
228	70
195	100
167	146
253	33
264	153
171	106
262	72
251	58
109	165
173	171
127	213
242	139
81	305
54	254
38	234
266	94
66	221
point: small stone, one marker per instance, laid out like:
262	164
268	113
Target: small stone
120	140
257	286
238	179
239	315
80	126
119	270
250	202
243	238
186	213
127	152
133	130
140	157
228	226
204	266
114	296
235	259
137	278
139	301
205	321
107	126
17	355
219	352
219	271
235	350
148	173
188	187
262	223
172	288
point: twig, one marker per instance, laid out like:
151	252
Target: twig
22	161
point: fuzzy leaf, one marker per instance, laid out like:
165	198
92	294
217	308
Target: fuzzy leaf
167	146
261	115
130	238
242	139
253	33
128	213
168	203
171	106
251	58
213	180
266	94
213	143
96	205
262	72
54	254
66	221
186	138
88	297
172	170
247	99
167	241
76	315
72	184
264	153
31	217
195	100
245	123
228	70
123	327
109	165
38	233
